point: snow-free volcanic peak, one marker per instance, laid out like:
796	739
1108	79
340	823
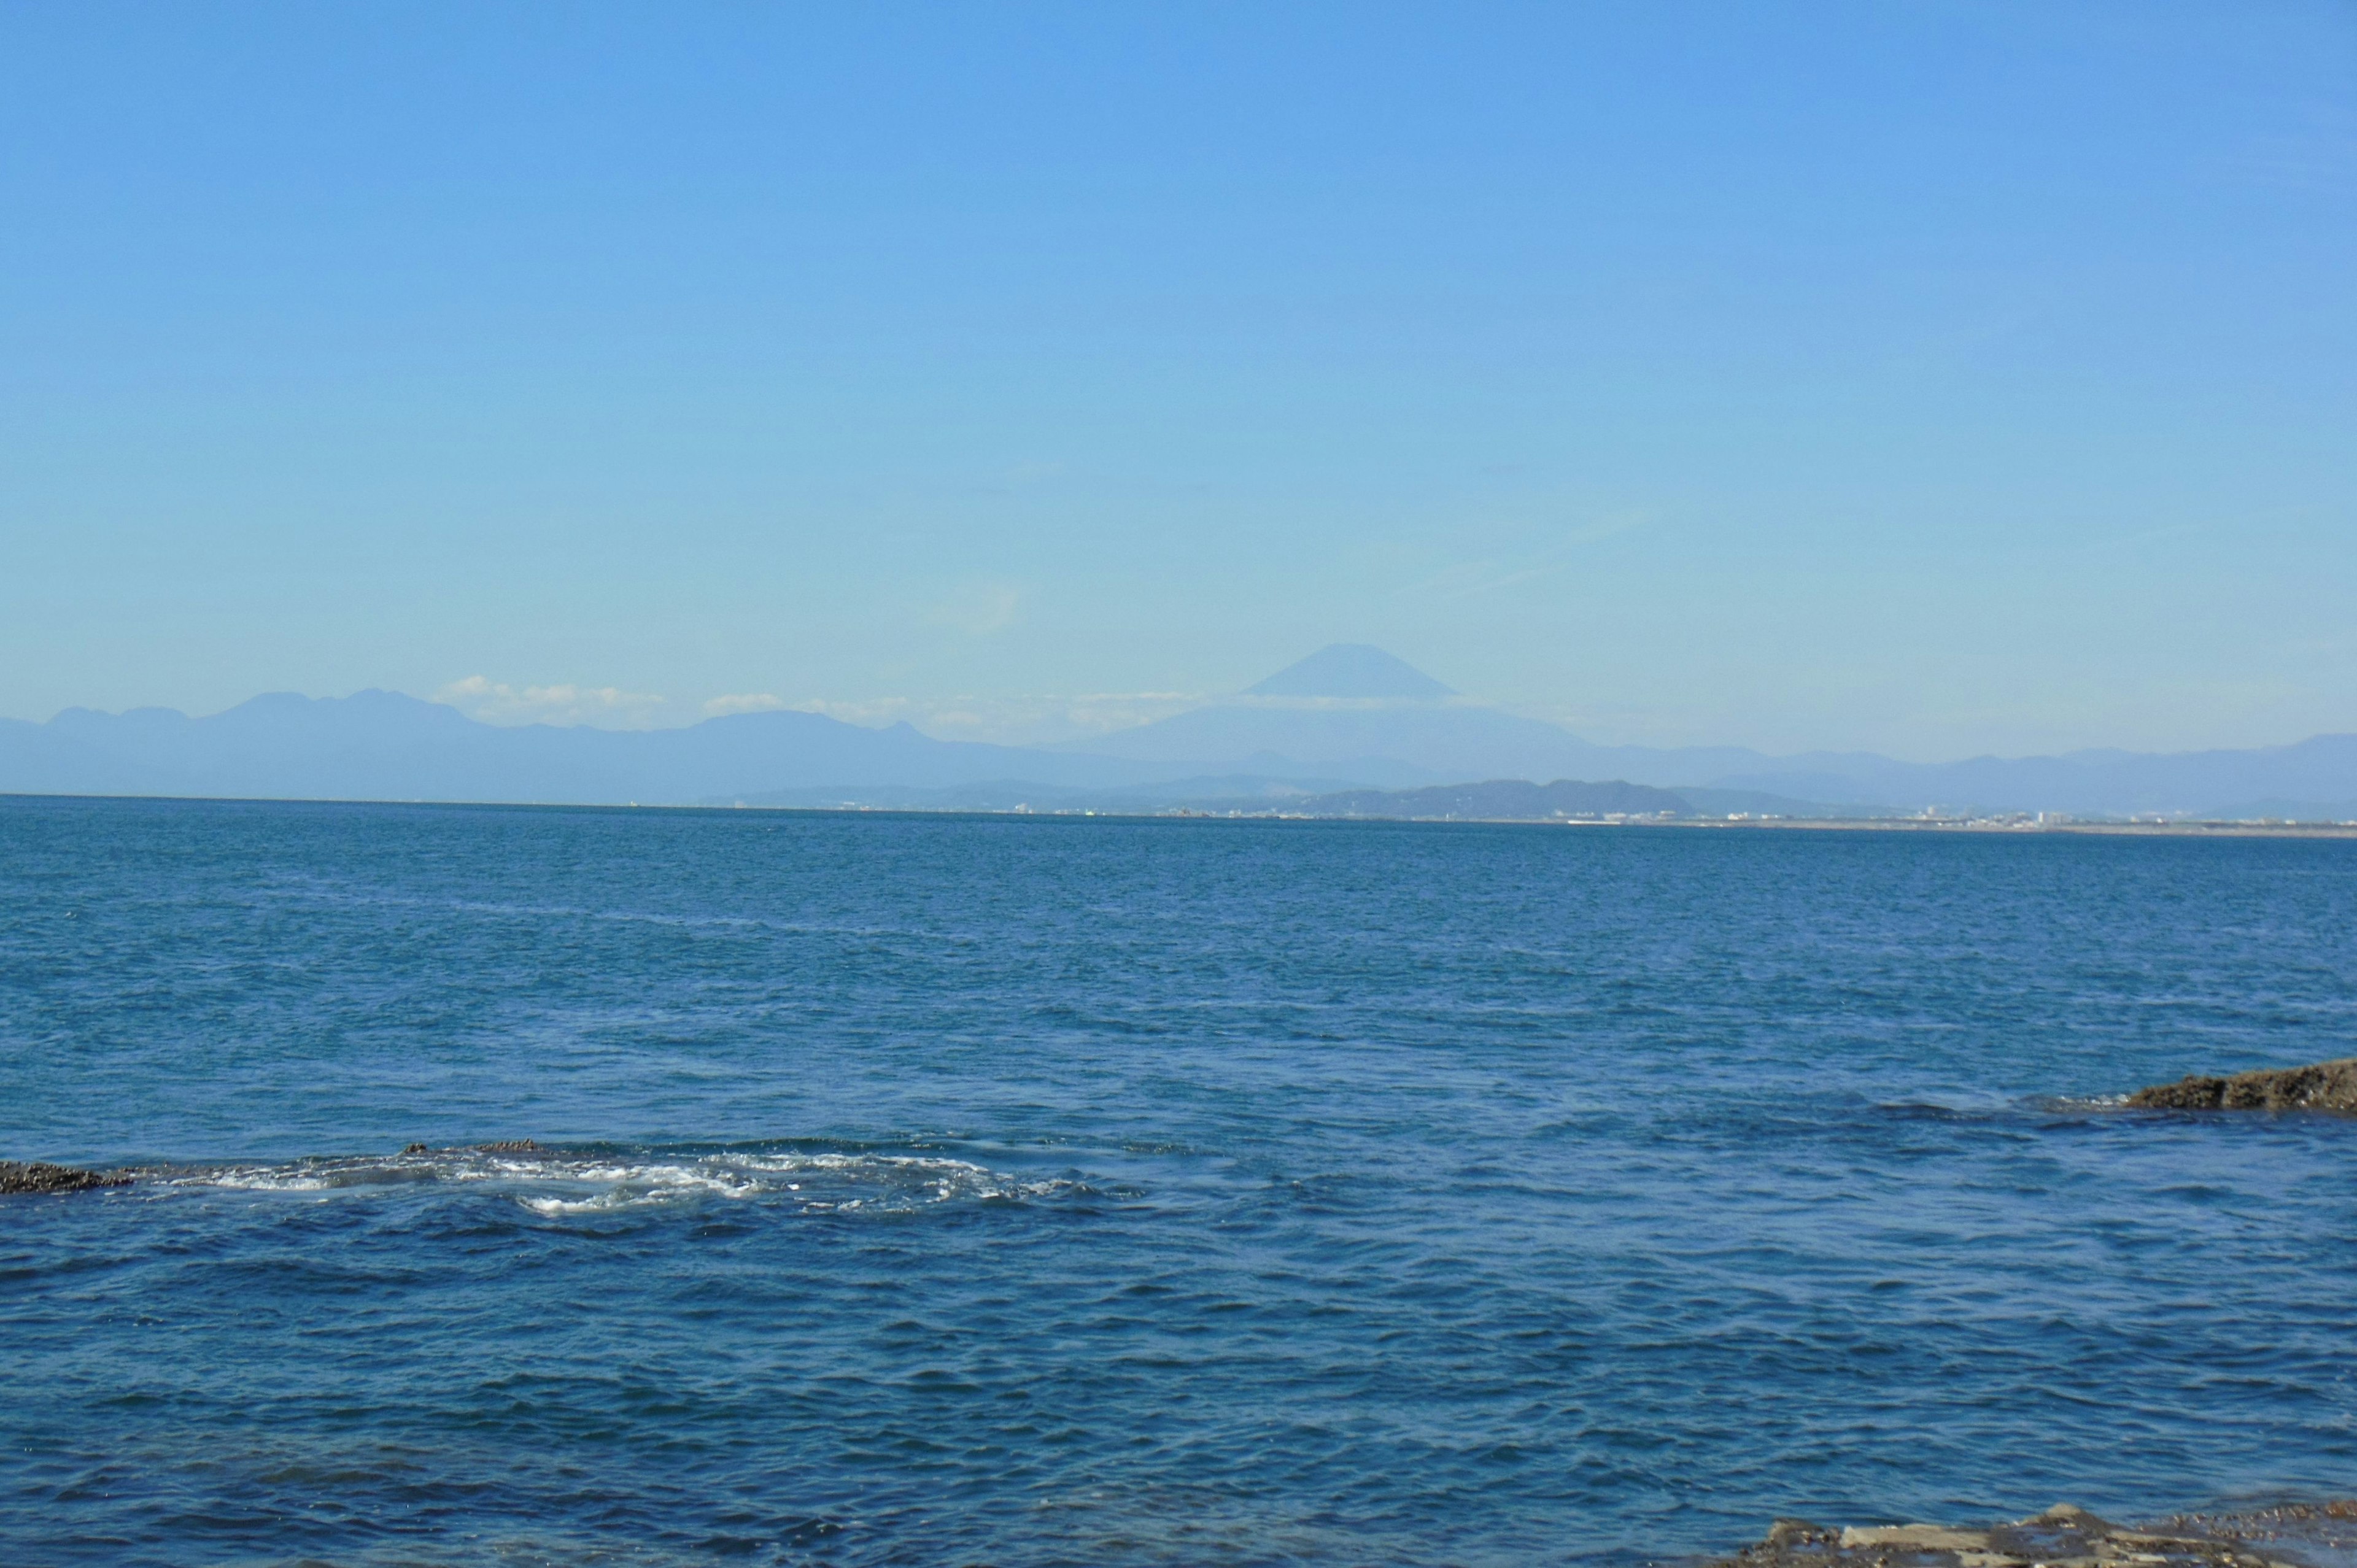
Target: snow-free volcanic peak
1350	670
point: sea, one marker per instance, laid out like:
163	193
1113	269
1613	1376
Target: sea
526	1185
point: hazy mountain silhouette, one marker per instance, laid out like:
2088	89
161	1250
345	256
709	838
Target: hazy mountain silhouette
1349	715
2315	779
1418	742
384	745
1350	670
1425	740
1355	711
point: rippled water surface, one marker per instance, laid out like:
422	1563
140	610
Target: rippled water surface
960	1190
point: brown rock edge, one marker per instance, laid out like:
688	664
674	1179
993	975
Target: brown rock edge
504	1146
2302	1535
2324	1086
20	1176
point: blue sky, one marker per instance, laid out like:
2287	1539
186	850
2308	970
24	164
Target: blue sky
1931	377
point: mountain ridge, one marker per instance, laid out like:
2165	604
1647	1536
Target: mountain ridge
379	745
388	745
1351	671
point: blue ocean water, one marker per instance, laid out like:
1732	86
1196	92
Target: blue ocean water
924	1191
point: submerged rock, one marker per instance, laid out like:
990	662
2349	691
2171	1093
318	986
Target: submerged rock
2324	1086
19	1176
504	1146
2313	1535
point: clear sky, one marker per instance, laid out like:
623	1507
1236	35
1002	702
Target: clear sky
1932	378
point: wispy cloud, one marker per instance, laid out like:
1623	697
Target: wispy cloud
1020	720
742	703
498	702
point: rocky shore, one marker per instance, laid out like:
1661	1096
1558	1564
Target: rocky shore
2305	1535
19	1176
2322	1086
29	1177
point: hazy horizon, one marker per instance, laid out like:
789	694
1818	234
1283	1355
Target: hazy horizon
1937	382
1071	727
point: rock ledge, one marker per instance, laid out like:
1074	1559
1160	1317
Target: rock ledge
2304	1535
2324	1086
20	1176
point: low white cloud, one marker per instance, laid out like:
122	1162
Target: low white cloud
742	703
498	702
1021	720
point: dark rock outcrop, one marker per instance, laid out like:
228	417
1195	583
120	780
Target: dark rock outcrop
2066	1537
504	1146
19	1176
2324	1086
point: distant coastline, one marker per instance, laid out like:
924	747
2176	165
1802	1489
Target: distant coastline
2174	829
2014	824
2184	829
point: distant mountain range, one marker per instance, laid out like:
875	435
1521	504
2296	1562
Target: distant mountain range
1348	717
1401	740
384	745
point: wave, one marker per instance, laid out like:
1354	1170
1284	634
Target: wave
557	1181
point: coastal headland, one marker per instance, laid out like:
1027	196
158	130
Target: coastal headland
2168	828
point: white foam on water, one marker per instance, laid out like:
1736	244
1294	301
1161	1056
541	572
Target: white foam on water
631	1185
554	1184
926	1177
253	1181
